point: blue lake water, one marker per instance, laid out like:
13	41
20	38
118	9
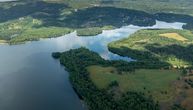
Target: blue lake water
30	79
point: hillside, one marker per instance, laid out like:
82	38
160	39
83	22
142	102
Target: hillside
119	85
171	46
18	18
151	6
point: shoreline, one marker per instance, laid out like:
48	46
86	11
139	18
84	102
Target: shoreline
8	42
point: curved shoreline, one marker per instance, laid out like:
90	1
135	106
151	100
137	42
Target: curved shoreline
93	29
40	51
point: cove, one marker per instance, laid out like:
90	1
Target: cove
30	79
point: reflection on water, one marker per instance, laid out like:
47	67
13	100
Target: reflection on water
30	79
99	43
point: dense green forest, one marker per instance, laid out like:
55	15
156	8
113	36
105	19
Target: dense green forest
103	84
150	6
76	62
169	17
18	18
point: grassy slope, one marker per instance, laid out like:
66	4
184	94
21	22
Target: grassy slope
24	21
36	34
26	29
150	45
155	81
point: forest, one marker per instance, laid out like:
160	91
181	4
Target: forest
159	76
161	45
150	6
76	62
79	63
21	17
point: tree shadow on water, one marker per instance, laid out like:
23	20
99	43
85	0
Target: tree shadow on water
144	59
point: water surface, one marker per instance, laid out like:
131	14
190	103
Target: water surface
30	79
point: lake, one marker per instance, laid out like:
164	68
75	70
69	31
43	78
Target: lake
30	79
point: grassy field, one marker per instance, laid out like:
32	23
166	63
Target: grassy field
175	36
28	29
166	45
36	34
157	83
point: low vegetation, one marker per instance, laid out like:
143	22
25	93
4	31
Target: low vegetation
156	82
36	34
89	31
175	36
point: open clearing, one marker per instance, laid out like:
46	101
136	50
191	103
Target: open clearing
157	83
175	36
3	42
